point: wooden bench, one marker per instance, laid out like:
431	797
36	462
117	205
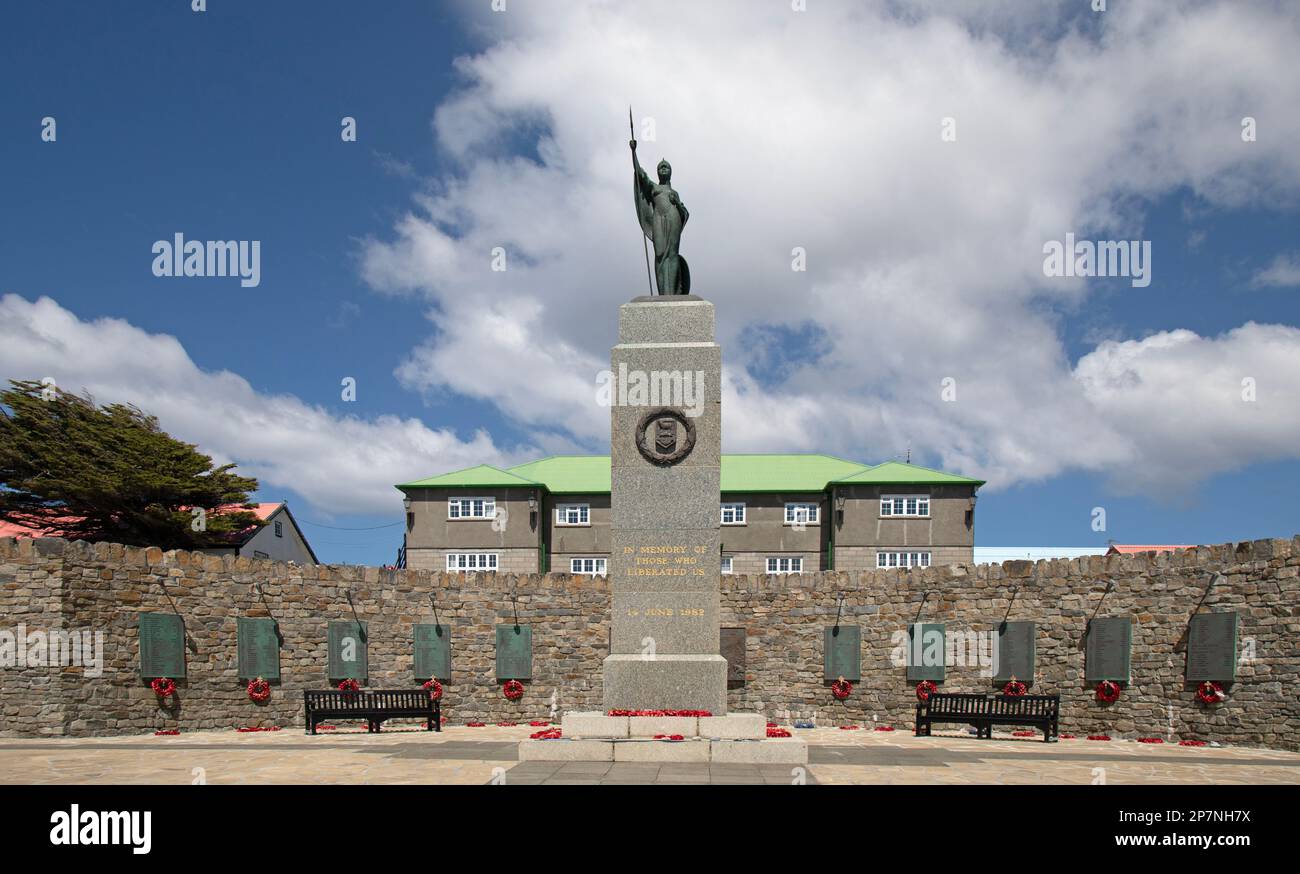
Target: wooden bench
986	711
373	705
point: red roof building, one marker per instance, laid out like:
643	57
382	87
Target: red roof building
280	538
1133	549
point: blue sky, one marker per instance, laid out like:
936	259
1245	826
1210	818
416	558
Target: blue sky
225	125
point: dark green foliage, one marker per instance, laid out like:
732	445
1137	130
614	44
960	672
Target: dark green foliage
110	473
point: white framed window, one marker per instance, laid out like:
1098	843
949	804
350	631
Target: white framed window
733	514
471	561
905	505
902	559
573	514
801	514
726	564
471	508
784	565
590	567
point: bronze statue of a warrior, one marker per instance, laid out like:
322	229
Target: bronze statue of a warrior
662	216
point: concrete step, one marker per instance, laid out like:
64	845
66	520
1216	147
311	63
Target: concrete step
596	725
770	751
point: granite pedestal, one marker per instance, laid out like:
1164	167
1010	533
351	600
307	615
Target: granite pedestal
665	457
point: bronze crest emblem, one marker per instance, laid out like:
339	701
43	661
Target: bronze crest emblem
674	436
665	435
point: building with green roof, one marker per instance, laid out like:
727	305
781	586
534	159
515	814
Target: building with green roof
779	513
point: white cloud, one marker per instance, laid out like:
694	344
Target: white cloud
1283	272
1237	393
821	129
340	464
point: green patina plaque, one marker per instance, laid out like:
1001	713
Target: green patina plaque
432	652
162	645
1016	642
842	652
259	648
514	652
1212	648
1109	649
348	643
926	651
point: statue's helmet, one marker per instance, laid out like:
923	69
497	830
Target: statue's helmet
665	170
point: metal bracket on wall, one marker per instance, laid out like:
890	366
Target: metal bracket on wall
189	641
920	607
361	629
257	587
839	609
1083	638
1181	645
437	623
1002	627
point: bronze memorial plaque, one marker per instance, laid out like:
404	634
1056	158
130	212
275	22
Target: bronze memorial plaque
348	646
514	652
162	645
432	652
842	652
1109	649
926	651
1212	648
1015	641
258	646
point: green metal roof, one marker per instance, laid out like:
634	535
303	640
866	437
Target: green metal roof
569	474
897	472
781	472
484	476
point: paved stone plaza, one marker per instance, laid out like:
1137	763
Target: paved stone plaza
468	756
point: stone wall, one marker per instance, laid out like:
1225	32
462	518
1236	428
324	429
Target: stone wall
50	584
784	618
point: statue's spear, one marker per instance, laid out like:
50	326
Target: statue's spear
645	247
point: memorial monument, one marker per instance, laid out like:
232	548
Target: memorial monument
664	567
665	557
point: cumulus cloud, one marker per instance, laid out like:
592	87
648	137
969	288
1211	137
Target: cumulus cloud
340	464
1237	393
821	130
1282	272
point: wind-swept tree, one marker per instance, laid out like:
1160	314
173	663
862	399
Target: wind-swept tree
91	472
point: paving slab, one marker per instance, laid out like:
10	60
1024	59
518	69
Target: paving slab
792	751
566	750
463	755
